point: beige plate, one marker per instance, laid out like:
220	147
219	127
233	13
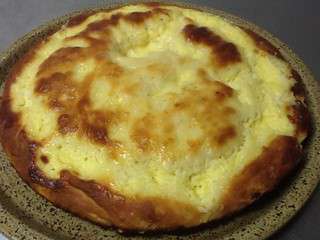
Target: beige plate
26	215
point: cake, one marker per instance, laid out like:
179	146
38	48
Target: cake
153	116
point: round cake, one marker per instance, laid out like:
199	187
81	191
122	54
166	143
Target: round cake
152	116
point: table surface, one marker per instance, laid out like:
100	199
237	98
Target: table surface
295	22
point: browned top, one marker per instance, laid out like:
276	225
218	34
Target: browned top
298	113
78	19
70	99
264	44
262	175
225	52
298	88
131	213
89	199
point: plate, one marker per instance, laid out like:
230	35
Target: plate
26	215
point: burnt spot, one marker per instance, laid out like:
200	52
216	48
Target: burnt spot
67	124
78	19
44	159
300	117
140	17
38	177
298	88
298	113
104	24
96	134
264	44
225	52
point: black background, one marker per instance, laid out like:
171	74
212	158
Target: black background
295	22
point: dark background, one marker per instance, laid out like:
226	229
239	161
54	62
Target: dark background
295	22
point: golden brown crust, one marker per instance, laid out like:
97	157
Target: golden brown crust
262	175
75	201
264	44
298	88
11	131
135	212
78	19
298	113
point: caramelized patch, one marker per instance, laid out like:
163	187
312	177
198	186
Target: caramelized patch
223	93
44	159
63	60
263	174
134	17
142	133
209	105
70	97
95	125
299	115
61	91
67	124
97	134
104	24
298	88
22	155
78	19
195	145
264	44
140	17
49	84
225	52
38	177
225	134
63	95
155	133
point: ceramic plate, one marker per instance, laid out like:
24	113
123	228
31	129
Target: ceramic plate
26	215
